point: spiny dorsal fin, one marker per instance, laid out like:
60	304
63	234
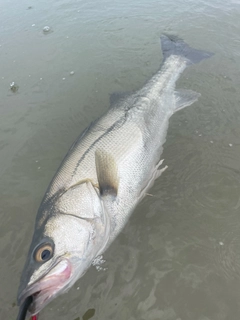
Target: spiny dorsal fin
185	98
116	97
107	173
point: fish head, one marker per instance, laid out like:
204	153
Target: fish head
63	247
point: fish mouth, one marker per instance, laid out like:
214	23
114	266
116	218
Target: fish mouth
45	290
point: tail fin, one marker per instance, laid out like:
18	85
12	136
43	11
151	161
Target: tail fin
172	45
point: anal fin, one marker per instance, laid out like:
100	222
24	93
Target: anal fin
156	174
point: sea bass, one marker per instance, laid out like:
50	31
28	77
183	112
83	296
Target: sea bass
103	177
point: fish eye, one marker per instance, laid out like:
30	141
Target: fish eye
43	253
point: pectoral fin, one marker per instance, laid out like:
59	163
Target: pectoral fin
107	173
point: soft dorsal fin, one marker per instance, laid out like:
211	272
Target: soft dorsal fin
116	97
185	98
107	173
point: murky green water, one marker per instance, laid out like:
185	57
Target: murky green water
179	256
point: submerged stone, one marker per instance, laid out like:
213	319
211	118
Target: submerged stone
14	87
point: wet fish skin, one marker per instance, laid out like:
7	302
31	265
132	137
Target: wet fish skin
103	177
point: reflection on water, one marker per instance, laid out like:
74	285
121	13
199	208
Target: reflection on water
179	256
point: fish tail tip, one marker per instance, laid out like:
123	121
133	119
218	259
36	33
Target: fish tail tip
173	45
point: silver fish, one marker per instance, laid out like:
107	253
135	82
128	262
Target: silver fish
103	177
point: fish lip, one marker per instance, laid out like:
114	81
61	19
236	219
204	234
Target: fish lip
45	289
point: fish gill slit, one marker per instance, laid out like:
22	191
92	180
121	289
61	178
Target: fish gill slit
78	217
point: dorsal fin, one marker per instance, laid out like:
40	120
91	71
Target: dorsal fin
116	97
107	173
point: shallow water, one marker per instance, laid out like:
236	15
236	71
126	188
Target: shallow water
178	258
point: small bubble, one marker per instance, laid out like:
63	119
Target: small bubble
41	78
78	288
99	268
64	78
230	144
39	168
221	243
72	73
211	141
36	161
46	29
200	135
33	25
98	261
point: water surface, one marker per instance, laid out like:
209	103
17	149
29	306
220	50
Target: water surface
178	258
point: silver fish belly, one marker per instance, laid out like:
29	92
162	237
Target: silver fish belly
103	177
